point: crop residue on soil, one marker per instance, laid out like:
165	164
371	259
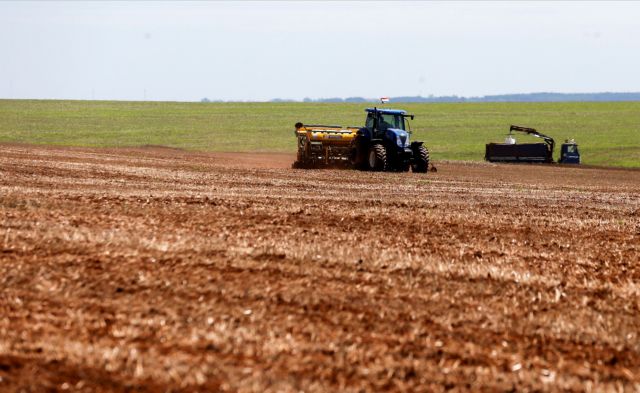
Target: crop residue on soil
156	269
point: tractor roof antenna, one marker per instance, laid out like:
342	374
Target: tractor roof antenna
384	100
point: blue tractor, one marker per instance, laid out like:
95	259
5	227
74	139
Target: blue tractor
383	143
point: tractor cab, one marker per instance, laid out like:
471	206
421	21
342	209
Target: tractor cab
569	153
379	121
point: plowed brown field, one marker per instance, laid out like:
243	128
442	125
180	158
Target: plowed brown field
161	270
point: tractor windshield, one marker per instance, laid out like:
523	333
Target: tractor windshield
391	121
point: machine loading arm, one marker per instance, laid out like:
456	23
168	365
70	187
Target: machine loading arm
532	131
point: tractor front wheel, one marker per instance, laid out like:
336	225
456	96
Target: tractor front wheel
377	158
420	160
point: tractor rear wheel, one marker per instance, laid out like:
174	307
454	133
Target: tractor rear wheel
377	158
298	165
357	160
420	160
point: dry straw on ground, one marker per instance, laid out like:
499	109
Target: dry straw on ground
160	270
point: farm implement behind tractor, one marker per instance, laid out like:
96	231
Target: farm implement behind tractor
320	145
381	145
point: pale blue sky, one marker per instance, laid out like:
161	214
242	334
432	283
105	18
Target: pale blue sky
260	50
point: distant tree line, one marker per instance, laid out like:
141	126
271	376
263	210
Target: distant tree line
527	97
558	97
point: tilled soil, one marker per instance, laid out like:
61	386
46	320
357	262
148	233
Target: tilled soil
161	270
